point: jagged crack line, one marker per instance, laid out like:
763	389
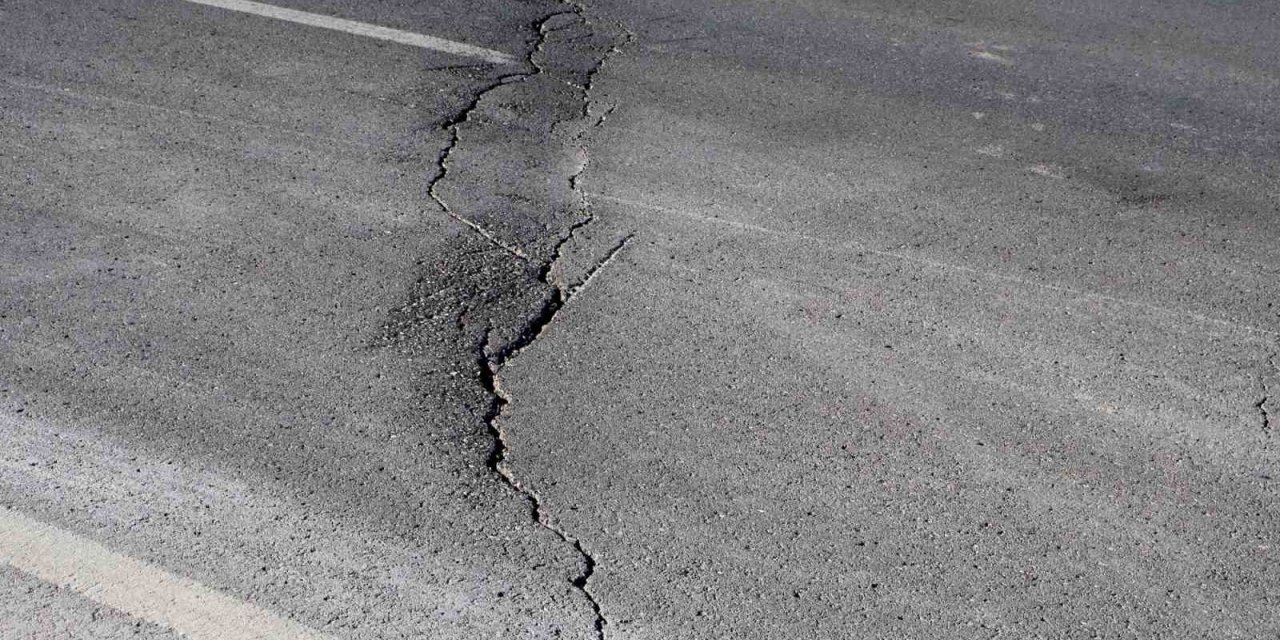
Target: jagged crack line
557	252
490	365
491	361
442	165
587	88
576	178
492	358
453	124
442	171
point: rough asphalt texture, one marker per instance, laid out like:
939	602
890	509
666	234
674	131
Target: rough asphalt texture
710	319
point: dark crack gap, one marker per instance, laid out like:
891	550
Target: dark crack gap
463	116
490	362
575	180
490	358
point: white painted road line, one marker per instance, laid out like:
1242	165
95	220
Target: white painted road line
361	28
134	587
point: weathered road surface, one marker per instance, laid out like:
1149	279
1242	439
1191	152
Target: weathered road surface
707	319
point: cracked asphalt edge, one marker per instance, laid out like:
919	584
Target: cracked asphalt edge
498	298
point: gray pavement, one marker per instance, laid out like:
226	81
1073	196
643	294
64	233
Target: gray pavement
703	319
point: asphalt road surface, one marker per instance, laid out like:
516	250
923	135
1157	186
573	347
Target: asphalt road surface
703	319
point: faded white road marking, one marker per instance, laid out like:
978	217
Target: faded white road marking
361	29
135	587
279	129
935	264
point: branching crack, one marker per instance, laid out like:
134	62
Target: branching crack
491	355
490	360
575	179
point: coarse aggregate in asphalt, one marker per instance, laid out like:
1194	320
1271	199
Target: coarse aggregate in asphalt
705	319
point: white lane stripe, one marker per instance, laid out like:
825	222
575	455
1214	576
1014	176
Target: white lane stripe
361	28
135	587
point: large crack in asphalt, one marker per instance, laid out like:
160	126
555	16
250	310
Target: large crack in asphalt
490	360
452	126
541	290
